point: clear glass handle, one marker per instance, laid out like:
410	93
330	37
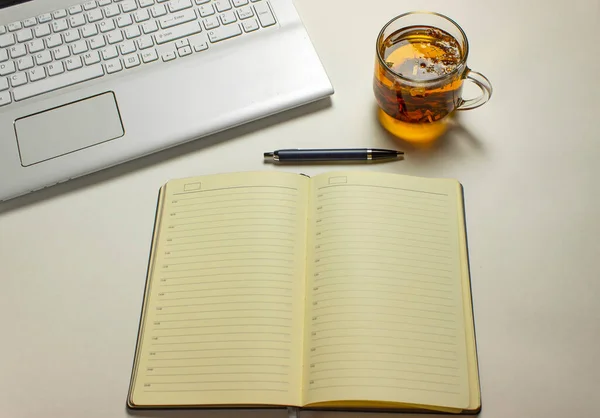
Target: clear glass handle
486	91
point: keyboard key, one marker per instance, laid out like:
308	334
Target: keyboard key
106	25
124	20
53	40
177	32
79	47
222	5
149	27
177	5
18	79
224	32
25	63
109	52
36	74
200	47
239	3
149	56
59	14
103	3
177	19
95	16
61	52
132	32
5	98
186	50
32	21
43	57
113	66
112	10
35	46
58	81
206	10
14	26
245	12
131	61
42	30
169	56
3	55
3	83
60	25
211	22
3	29
17	51
55	68
128	6
89	5
45	18
77	20
145	42
263	11
73	10
73	63
114	37
141	15
24	35
89	30
91	57
158	10
7	40
7	67
181	43
228	17
199	2
146	3
71	35
127	47
97	42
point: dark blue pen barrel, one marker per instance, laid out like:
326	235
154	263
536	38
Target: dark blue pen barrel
322	155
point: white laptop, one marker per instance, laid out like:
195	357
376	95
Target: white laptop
84	86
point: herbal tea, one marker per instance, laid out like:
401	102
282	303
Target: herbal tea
413	55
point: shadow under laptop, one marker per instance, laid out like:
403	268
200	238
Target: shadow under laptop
165	155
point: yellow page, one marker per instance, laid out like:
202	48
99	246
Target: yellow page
224	307
385	313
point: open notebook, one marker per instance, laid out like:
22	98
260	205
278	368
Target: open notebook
349	290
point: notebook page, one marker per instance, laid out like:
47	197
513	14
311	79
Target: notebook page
224	305
385	318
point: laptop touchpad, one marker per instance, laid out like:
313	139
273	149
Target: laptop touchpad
68	128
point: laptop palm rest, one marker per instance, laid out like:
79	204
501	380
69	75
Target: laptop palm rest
72	127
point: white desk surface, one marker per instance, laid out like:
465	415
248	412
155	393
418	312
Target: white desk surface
529	161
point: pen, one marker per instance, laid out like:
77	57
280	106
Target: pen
316	155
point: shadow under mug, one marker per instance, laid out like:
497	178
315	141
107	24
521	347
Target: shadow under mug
415	109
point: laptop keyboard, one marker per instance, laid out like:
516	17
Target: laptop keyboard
98	38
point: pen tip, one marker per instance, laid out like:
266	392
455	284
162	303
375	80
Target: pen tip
268	155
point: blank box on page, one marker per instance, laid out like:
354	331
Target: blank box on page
190	187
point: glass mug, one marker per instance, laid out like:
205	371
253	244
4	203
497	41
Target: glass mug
419	72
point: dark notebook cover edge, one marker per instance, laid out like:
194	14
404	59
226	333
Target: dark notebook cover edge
478	410
147	281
